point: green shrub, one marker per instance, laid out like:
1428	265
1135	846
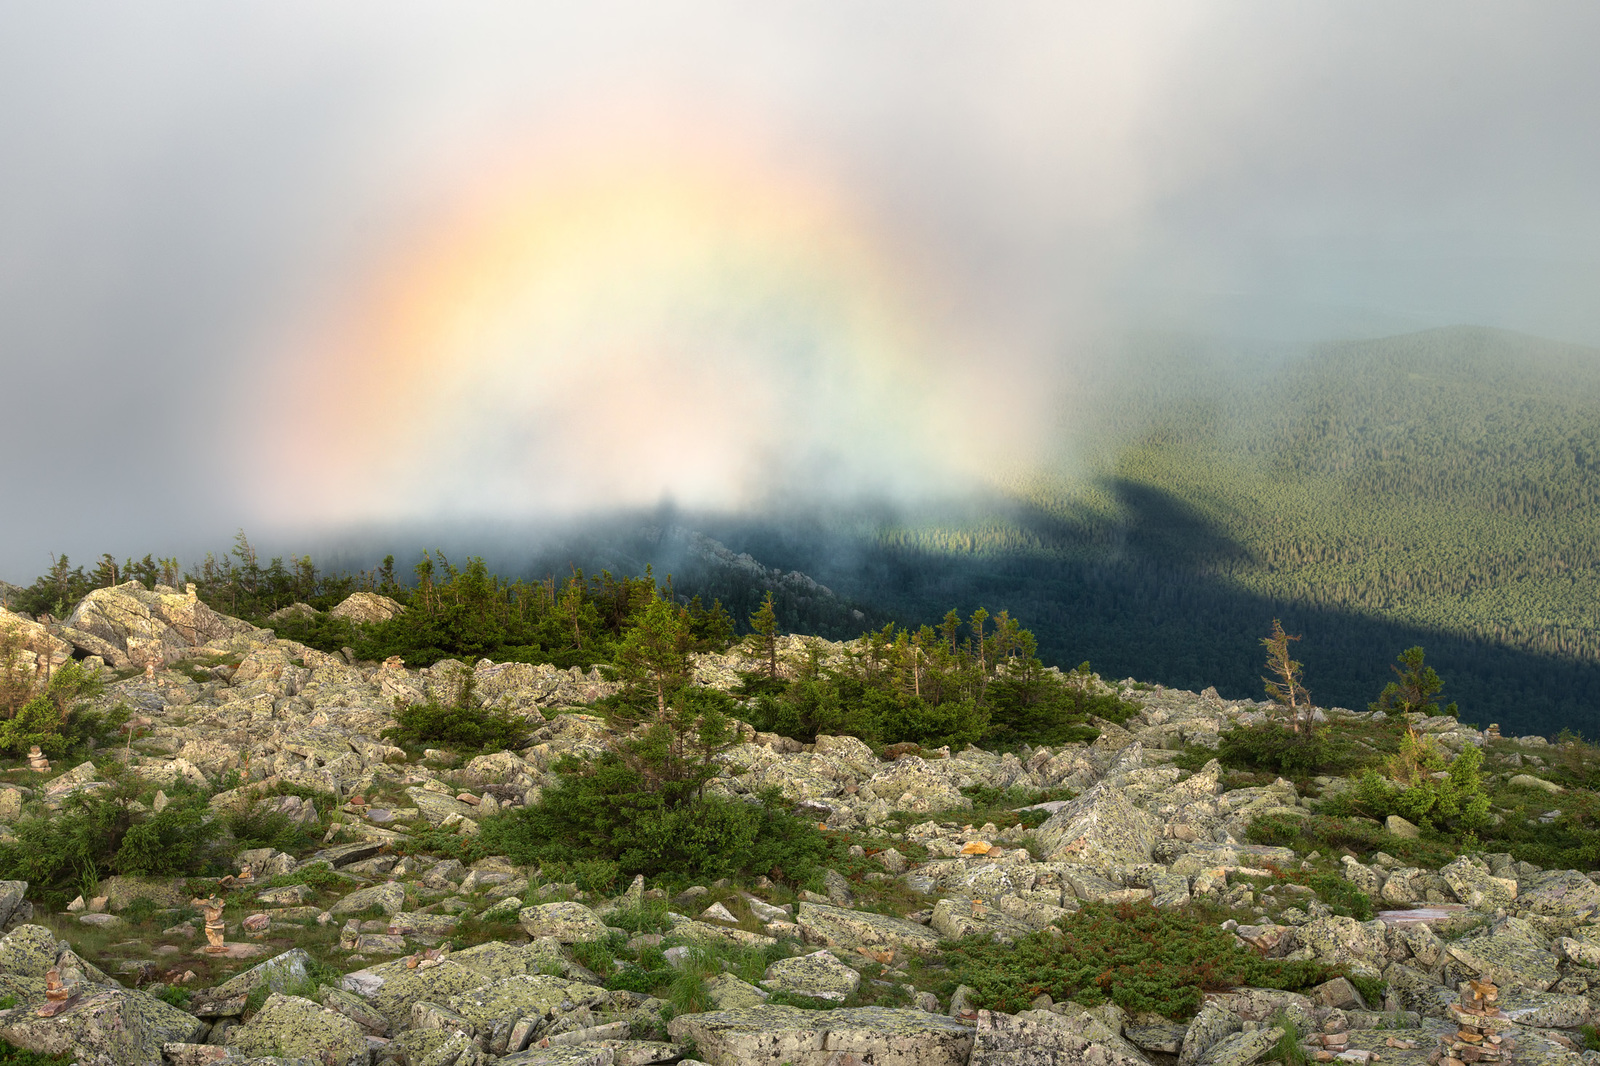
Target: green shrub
604	810
1272	748
47	719
633	978
11	1055
1342	897
1138	957
97	834
1457	803
649	917
458	724
177	997
257	827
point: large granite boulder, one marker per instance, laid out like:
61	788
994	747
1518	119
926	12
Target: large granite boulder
774	1036
863	930
819	975
1043	1038
140	626
363	608
1511	953
107	1026
1101	828
291	1027
570	923
1560	893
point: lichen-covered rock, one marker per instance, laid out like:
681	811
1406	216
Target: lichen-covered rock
819	975
862	930
497	1006
436	806
1560	893
277	973
39	653
14	906
957	918
730	993
569	923
1512	953
773	1036
1041	1038
25	954
1545	1010
1475	886
389	897
109	1026
1241	1049
143	626
1210	1026
363	608
1341	941
291	1027
1102	828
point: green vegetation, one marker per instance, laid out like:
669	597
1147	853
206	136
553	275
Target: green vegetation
57	719
459	724
960	684
11	1055
103	831
1457	802
1439	489
1415	691
1138	957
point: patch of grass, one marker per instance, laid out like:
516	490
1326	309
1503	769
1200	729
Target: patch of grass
177	997
1591	1038
1138	957
1287	1050
11	1055
1372	989
649	917
317	875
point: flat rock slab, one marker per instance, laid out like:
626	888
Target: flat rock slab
1561	893
111	1026
1377	1040
389	897
1042	1038
522	996
819	975
291	1027
570	923
863	930
1513	954
234	951
774	1036
597	1053
1434	915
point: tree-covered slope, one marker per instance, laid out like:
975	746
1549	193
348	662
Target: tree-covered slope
1440	489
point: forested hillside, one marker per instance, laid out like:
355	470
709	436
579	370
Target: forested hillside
1439	489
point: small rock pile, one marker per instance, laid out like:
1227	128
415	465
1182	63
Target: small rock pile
1480	1035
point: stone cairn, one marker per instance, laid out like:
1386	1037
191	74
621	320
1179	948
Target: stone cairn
211	908
37	762
58	994
1481	1034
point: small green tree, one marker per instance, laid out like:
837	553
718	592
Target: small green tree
763	639
42	720
1284	688
1415	690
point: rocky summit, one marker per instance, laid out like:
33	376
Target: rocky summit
386	937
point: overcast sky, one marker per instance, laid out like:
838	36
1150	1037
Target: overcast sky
191	193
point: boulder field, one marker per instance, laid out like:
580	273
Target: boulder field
363	950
